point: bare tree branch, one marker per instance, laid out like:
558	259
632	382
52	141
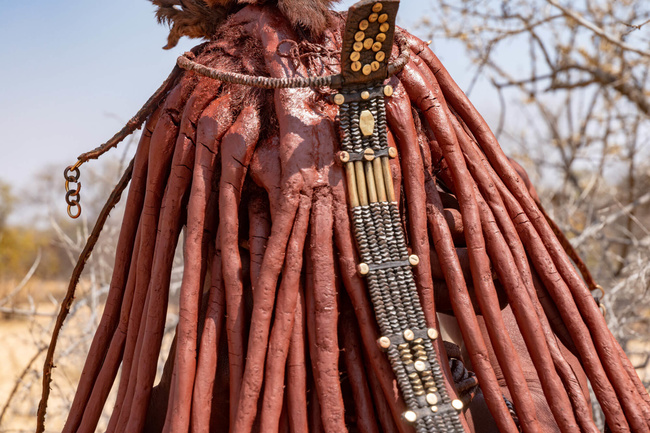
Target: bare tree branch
592	230
623	85
599	31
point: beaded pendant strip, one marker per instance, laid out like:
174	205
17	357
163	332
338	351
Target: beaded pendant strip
386	263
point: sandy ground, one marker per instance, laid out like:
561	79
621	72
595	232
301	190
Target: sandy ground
21	340
23	337
18	351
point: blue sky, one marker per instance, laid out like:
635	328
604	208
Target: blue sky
73	72
66	67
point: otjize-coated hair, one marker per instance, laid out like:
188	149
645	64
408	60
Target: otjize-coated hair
271	297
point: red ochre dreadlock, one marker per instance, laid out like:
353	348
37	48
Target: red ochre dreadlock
270	291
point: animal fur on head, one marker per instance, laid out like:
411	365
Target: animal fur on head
200	18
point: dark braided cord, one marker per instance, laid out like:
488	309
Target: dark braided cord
404	55
333	81
262	82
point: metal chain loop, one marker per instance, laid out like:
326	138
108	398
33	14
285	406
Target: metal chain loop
72	192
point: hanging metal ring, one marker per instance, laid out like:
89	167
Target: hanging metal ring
72	193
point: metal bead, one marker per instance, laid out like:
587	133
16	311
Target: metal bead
339	99
373	17
457	404
410	416
367	44
414	260
392	152
377	46
358	46
383	18
363	25
368	154
377	7
365	94
384	27
380	56
432	399
359	36
355	56
384	342
364	269
432	333
344	156
420	366
409	335
381	37
356	66
367	69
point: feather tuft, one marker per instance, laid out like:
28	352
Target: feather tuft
191	18
200	18
312	16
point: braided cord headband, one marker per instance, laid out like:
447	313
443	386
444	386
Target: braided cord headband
335	81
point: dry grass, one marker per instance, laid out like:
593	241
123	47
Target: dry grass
25	327
26	330
23	337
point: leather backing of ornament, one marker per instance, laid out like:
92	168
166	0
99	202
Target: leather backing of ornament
368	42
